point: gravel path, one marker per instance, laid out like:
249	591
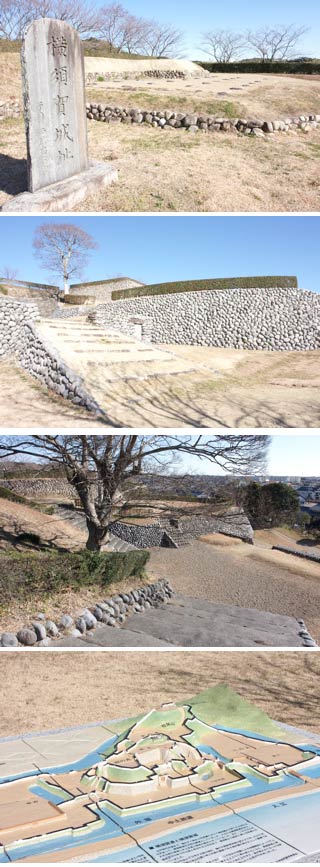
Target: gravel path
52	690
239	574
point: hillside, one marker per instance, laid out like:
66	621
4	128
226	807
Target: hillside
53	532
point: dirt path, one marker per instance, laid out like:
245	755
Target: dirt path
246	576
56	689
167	385
26	403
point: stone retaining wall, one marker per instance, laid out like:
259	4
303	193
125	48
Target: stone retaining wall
39	487
271	319
194	121
103	289
236	525
142	536
306	555
19	339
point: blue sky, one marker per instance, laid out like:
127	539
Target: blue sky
196	18
164	248
289	455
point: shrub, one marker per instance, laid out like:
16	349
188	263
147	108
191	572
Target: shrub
257	66
25	574
203	285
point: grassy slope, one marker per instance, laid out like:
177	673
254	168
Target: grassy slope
221	705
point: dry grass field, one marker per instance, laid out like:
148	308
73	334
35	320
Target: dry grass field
54	689
173	170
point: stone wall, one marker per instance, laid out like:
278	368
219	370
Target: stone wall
305	555
19	339
39	487
271	319
194	121
142	536
234	524
121	69
103	290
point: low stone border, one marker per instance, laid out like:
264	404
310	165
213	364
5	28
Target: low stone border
304	554
193	122
112	611
168	74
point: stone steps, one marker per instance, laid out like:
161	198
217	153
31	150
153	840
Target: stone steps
186	621
104	357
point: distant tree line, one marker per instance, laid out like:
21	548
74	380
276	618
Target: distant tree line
125	32
121	30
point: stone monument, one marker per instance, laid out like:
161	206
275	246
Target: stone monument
54	102
59	173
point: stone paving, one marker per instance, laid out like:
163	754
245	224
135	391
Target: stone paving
186	621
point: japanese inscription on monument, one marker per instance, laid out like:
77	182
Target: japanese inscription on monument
54	102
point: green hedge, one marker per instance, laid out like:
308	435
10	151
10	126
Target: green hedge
3	290
275	67
24	575
202	285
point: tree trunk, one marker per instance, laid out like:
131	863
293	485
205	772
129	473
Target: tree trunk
96	536
66	287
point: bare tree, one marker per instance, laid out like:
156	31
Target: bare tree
112	25
135	34
223	45
98	467
63	249
163	40
126	32
15	16
83	16
275	43
7	273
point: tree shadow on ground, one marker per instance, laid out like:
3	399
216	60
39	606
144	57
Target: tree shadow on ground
24	541
187	409
13	175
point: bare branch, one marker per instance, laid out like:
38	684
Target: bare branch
63	249
223	45
275	43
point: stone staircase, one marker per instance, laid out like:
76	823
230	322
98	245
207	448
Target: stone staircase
78	520
115	368
186	621
177	534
